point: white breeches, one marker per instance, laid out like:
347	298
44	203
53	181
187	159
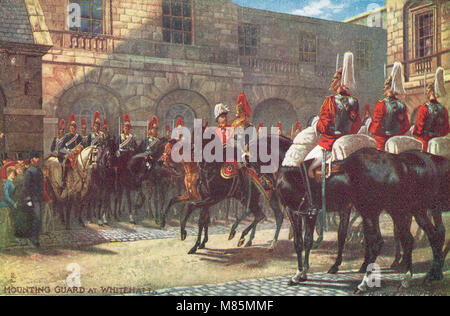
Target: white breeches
317	155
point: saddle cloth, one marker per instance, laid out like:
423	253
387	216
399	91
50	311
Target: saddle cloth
73	155
400	144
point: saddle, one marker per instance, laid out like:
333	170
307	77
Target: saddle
335	169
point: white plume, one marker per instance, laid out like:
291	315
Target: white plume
348	72
397	85
439	83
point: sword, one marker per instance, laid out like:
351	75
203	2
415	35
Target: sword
323	213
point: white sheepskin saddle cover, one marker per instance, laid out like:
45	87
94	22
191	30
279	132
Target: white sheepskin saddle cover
348	144
305	141
440	146
400	144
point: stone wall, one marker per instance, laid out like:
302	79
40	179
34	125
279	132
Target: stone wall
400	27
129	69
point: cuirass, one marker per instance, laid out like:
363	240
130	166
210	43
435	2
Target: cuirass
395	112
343	122
435	121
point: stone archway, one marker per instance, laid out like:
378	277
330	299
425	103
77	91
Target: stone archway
84	99
272	111
186	104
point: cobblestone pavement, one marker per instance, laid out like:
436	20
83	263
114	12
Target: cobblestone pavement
89	237
319	284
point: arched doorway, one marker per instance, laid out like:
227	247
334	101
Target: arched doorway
272	111
182	111
85	109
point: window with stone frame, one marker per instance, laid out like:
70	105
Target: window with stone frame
363	55
178	21
424	33
308	48
92	16
248	39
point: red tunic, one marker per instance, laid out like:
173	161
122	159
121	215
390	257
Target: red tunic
376	127
327	118
419	129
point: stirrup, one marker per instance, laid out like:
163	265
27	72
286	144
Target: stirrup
310	212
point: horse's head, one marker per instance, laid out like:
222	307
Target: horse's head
108	156
166	158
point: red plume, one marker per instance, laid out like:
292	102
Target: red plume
280	126
105	123
247	109
62	123
298	126
127	121
153	122
72	120
260	125
367	112
180	122
167	128
96	118
83	122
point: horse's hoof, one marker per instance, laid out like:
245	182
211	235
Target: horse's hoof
241	242
192	251
248	245
363	269
232	234
316	245
183	235
202	246
434	277
359	292
333	270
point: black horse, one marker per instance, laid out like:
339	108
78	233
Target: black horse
403	185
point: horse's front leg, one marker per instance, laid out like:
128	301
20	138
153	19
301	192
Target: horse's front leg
344	222
297	225
207	222
201	224
309	243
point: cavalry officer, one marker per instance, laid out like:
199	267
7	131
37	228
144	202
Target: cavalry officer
339	114
95	138
390	117
72	139
223	127
152	134
127	140
58	139
432	117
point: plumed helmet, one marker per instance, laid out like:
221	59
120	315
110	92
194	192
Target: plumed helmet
280	127
298	126
105	123
439	83
396	79
153	124
72	121
179	122
348	72
83	123
127	121
220	109
242	106
62	124
97	119
167	128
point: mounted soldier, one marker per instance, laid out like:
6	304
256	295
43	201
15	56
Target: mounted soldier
96	137
432	117
70	146
223	127
58	139
127	140
390	117
168	132
152	134
339	116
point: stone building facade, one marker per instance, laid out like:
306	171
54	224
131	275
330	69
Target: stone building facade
178	58
24	39
419	37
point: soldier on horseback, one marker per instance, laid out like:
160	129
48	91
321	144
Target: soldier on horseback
70	146
339	116
432	117
58	139
390	117
152	135
96	137
127	140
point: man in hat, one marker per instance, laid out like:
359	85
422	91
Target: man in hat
105	130
223	127
95	138
390	117
432	117
178	128
280	128
152	134
127	140
34	194
339	116
58	139
72	139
